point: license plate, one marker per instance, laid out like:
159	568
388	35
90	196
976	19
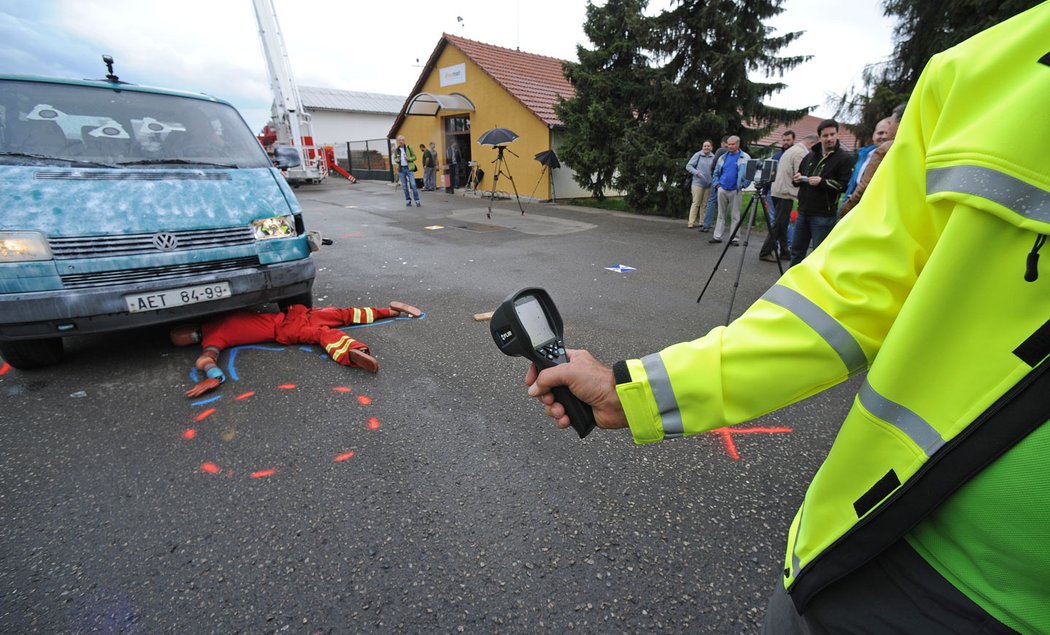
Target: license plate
177	297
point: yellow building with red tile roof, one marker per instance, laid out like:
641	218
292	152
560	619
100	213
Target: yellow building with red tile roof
468	87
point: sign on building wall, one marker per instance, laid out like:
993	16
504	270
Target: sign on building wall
456	74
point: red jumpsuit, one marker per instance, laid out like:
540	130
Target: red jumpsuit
297	325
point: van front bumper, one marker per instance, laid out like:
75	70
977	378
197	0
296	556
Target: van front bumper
44	314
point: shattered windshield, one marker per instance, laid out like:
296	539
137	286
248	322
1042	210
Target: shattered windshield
56	124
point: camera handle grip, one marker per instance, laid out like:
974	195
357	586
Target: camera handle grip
581	416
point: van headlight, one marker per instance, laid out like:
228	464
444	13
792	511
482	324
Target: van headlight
23	247
275	227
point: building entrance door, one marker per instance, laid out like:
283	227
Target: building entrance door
457	144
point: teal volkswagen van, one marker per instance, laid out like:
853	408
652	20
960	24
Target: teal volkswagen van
123	206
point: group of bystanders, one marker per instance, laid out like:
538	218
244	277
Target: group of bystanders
813	172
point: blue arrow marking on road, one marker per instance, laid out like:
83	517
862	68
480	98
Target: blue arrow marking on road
620	268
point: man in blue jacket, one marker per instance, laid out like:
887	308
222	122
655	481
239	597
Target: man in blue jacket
730	176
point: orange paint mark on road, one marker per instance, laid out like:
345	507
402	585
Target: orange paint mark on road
189	433
342	389
373	424
204	415
210	468
264	473
344	456
730	445
287	386
364	401
3	369
727	440
245	395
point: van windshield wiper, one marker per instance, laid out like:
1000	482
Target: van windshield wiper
176	162
45	157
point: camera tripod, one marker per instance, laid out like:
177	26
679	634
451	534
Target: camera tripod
758	199
496	172
472	177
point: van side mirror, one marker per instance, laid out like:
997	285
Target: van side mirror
285	157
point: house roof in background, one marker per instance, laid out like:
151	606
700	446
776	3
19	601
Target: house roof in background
804	126
349	101
535	80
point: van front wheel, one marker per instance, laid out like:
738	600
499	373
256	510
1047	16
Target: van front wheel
30	354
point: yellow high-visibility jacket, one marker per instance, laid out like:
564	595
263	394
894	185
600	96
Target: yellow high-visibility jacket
924	287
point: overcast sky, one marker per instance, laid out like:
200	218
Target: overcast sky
213	46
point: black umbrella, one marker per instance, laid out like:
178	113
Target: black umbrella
497	137
548	158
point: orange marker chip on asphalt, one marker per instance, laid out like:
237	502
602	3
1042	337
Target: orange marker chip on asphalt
264	473
210	468
344	456
204	415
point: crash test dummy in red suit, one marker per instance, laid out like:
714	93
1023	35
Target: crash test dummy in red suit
297	325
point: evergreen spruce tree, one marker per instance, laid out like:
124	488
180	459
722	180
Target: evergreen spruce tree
609	81
706	51
653	88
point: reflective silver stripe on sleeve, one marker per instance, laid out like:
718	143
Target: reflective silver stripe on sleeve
660	384
911	424
1010	192
796	563
826	326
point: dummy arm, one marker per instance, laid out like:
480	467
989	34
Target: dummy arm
206	363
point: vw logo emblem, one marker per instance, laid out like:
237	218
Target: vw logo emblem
165	241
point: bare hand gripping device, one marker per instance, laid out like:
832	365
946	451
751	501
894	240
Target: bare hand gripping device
528	325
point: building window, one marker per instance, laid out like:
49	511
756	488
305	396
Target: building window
459	124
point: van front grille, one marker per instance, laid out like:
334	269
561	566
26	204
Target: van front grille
138	244
149	274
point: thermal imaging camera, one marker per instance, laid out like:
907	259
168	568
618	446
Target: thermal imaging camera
761	171
528	325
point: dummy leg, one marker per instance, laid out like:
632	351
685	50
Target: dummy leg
349	316
339	346
346	350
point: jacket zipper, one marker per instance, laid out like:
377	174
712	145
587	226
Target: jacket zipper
1031	273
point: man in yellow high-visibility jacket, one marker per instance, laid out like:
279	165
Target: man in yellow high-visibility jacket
931	511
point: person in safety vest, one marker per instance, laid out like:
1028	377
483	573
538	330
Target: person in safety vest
931	512
404	160
297	325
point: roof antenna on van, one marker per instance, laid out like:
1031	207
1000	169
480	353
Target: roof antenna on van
108	59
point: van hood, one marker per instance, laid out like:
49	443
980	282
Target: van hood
106	201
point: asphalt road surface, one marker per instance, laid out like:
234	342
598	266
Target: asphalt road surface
432	497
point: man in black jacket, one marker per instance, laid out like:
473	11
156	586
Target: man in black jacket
821	179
